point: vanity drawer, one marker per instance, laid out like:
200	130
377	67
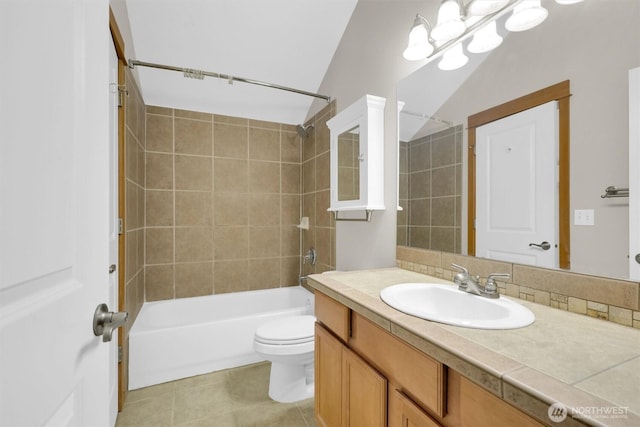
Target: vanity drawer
333	315
414	373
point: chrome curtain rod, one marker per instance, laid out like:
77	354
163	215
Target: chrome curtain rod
427	117
200	74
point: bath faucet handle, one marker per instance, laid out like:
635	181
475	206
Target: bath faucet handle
491	287
460	278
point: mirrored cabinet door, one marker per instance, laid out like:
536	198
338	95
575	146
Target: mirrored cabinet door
357	137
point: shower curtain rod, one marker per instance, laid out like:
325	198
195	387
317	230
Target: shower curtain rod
200	74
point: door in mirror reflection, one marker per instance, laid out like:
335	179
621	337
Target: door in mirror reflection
349	159
516	188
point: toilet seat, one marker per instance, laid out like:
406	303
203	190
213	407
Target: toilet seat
290	330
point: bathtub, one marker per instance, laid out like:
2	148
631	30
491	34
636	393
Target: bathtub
191	336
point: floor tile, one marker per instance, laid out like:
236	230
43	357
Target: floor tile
231	398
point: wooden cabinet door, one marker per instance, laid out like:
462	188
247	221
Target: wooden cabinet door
364	391
328	379
479	408
404	413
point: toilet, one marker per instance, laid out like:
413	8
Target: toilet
288	343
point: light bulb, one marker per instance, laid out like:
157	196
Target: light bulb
453	58
526	15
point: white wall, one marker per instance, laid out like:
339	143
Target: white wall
369	61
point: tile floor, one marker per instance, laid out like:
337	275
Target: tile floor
231	398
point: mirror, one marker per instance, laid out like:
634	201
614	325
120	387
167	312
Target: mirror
356	156
438	104
349	164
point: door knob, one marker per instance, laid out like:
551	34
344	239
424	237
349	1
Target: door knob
105	321
545	246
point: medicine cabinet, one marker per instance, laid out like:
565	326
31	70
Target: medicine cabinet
357	157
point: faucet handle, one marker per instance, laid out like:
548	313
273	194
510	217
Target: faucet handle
460	268
490	286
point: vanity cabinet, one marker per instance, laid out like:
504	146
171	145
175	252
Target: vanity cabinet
349	392
367	377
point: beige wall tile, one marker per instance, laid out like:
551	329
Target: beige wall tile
264	209
443	181
309	176
159	171
290	148
230	243
264	144
194	244
577	305
194	279
290	209
230	141
622	316
264	242
289	271
264	177
264	124
193	208
309	207
264	273
159	245
195	115
159	208
193	173
239	121
443	212
134	200
321	130
619	293
309	145
154	109
158	282
193	137
159	133
230	175
323	174
324	218
290	238
231	208
231	276
290	177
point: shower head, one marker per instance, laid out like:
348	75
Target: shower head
304	131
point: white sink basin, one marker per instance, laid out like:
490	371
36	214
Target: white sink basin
446	304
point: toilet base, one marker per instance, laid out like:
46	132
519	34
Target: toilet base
290	383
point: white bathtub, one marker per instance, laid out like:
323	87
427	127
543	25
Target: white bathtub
191	336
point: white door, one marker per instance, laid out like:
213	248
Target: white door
54	212
634	174
517	188
114	228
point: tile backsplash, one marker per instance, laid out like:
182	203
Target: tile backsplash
604	298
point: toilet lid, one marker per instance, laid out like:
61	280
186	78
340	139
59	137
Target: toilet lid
287	330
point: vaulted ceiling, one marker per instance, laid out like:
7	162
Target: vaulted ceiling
284	42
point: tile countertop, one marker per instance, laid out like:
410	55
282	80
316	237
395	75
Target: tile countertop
589	365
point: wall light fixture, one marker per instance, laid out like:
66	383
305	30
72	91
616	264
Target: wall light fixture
456	22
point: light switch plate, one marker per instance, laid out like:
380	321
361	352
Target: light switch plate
584	217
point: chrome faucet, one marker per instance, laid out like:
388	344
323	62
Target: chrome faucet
471	284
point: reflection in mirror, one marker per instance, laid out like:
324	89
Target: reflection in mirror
559	49
349	164
431	191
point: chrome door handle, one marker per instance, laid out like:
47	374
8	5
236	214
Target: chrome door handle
105	321
545	246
